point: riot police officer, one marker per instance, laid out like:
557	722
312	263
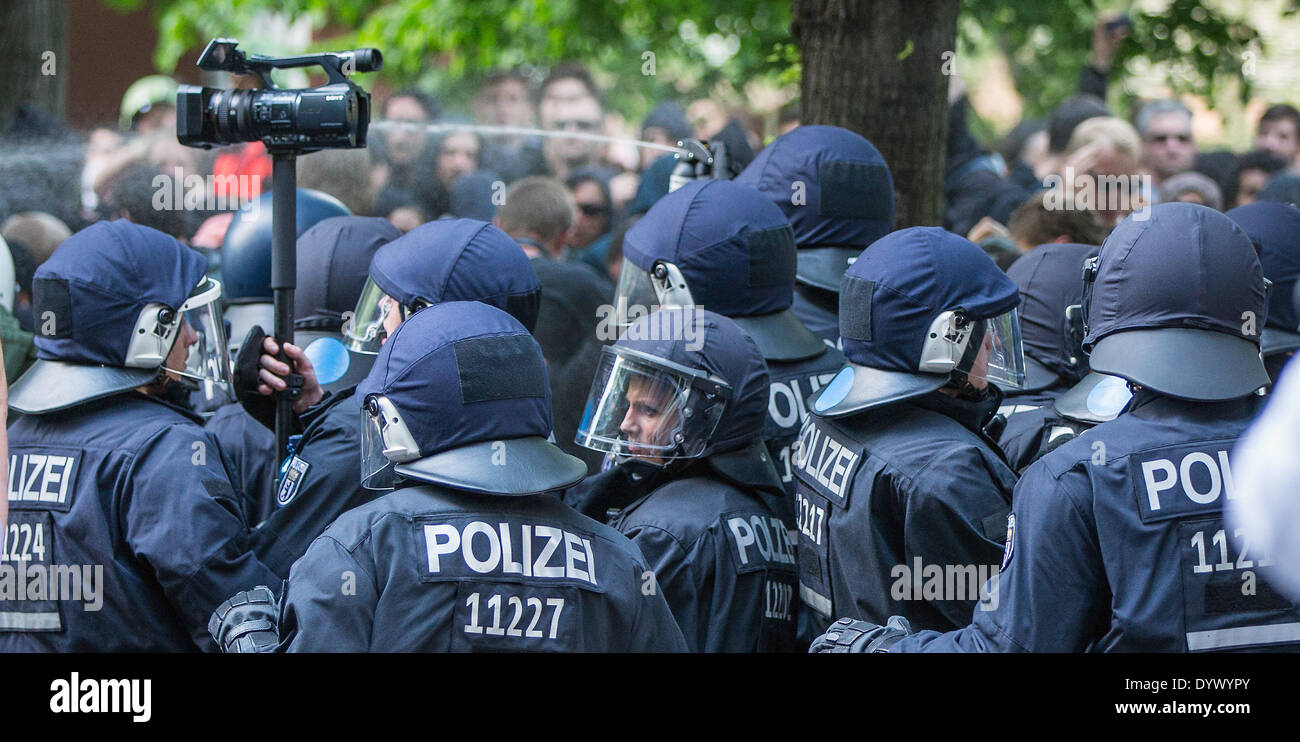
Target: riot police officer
837	192
446	260
114	486
1274	227
470	552
333	258
897	478
1051	326
1117	540
723	247
679	402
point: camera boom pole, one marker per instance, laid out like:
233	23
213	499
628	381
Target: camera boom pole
284	277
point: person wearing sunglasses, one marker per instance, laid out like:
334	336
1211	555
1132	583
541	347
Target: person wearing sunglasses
593	216
1168	147
566	154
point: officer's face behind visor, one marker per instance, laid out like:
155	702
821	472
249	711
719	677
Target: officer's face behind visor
198	353
376	317
653	411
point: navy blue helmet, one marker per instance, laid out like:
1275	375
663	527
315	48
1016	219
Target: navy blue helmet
333	262
458	396
1274	227
920	308
681	383
1051	319
1175	302
246	248
835	189
721	246
109	305
441	261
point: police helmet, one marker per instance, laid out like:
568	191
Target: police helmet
682	383
458	397
836	190
1051	313
723	247
921	309
1175	302
1274	228
333	259
109	305
246	255
444	260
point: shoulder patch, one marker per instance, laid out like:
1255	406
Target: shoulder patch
291	476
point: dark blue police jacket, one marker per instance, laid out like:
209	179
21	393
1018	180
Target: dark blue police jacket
322	481
1034	427
429	569
251	448
719	551
134	496
890	495
1117	543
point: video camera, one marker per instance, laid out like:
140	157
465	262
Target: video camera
335	115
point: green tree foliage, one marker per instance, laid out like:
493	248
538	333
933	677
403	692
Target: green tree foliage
447	45
1048	44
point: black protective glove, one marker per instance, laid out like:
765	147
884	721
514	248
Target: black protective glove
246	623
246	373
848	635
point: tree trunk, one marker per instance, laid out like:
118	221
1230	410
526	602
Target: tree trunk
853	77
28	30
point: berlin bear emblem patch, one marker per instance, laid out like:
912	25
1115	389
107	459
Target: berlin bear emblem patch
290	480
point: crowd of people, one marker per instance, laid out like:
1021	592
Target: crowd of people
546	396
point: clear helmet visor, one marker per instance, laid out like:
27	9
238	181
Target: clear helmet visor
365	331
639	292
650	409
203	331
385	443
1000	359
634	296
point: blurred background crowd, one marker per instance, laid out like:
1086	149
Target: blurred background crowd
426	160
